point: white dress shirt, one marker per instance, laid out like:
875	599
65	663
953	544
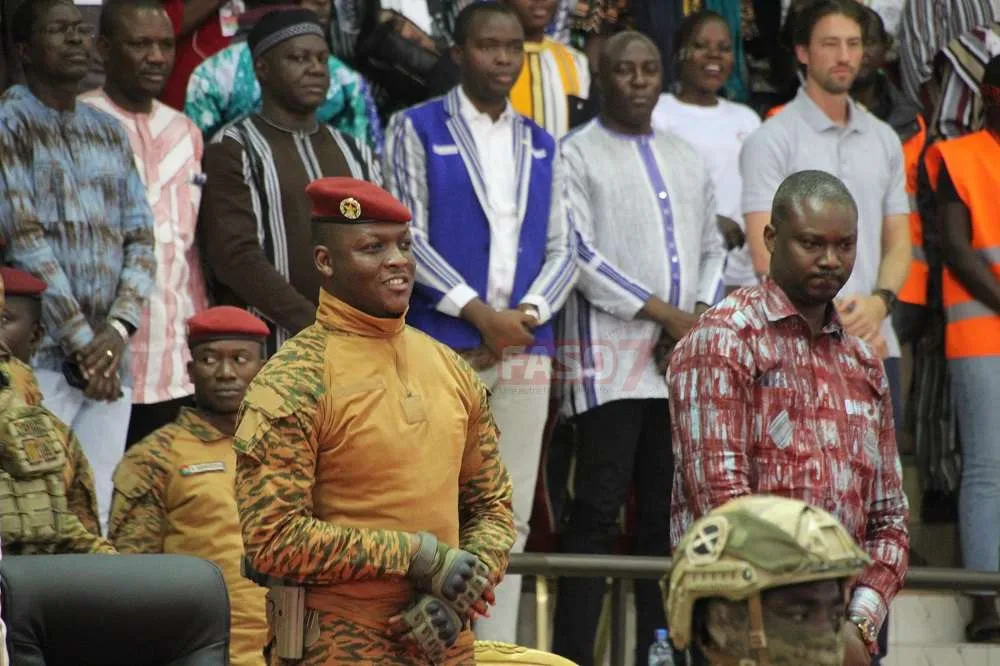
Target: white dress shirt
495	162
495	145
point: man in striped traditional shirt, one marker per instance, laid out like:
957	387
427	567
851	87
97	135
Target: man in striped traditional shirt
137	46
495	258
651	257
254	221
552	72
74	211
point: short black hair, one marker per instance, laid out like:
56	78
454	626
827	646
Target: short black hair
809	185
24	21
814	11
613	47
112	9
469	15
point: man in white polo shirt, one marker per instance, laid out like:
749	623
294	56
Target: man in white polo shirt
823	128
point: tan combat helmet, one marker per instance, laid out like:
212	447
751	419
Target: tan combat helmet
751	544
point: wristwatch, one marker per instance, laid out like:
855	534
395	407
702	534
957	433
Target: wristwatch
532	311
869	632
120	328
888	297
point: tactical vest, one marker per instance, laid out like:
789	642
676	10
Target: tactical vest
33	508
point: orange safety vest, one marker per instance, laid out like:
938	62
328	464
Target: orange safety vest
915	288
973	162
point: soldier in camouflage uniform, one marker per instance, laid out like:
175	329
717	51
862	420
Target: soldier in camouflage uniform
174	489
763	581
47	499
367	463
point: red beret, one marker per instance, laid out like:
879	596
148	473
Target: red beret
352	201
20	283
223	323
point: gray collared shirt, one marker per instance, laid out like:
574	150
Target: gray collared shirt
866	155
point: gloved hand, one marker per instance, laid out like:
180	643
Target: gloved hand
429	626
455	576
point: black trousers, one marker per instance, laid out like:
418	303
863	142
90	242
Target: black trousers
147	418
618	443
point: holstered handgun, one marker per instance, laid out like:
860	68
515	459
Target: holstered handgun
286	612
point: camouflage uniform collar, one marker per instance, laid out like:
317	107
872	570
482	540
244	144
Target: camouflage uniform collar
194	423
337	315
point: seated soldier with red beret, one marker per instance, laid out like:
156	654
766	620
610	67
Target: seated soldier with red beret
51	480
368	477
174	489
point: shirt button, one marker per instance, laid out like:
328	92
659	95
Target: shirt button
663	195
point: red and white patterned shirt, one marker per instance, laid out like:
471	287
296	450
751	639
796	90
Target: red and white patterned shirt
761	406
168	149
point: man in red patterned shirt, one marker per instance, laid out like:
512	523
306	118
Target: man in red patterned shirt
768	395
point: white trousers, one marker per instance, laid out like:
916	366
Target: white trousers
520	403
101	428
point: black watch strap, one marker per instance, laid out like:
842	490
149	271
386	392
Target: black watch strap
888	297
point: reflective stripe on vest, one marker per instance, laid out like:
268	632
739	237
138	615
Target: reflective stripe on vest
973	162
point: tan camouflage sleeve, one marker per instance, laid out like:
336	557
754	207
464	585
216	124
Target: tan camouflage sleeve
485	493
138	508
77	539
275	465
81	498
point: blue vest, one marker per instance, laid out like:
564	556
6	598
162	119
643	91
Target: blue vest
458	227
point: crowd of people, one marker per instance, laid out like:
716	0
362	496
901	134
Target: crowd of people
305	289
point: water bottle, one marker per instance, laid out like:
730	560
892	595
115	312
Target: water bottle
660	652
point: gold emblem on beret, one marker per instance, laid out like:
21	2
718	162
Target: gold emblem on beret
350	208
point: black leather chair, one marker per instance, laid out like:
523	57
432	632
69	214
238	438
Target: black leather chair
115	610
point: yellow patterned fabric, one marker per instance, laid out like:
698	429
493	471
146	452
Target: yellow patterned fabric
174	493
551	71
359	432
494	652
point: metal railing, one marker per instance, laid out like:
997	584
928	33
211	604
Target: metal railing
623	569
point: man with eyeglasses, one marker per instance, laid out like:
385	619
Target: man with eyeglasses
74	213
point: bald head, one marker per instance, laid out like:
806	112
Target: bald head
616	45
807	191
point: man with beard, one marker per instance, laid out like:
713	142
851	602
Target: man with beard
652	259
367	466
770	395
174	489
254	220
824	128
74	212
136	43
789	612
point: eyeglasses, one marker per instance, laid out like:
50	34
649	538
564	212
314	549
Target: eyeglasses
64	30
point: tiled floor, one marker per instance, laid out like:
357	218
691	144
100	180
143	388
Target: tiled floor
961	655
